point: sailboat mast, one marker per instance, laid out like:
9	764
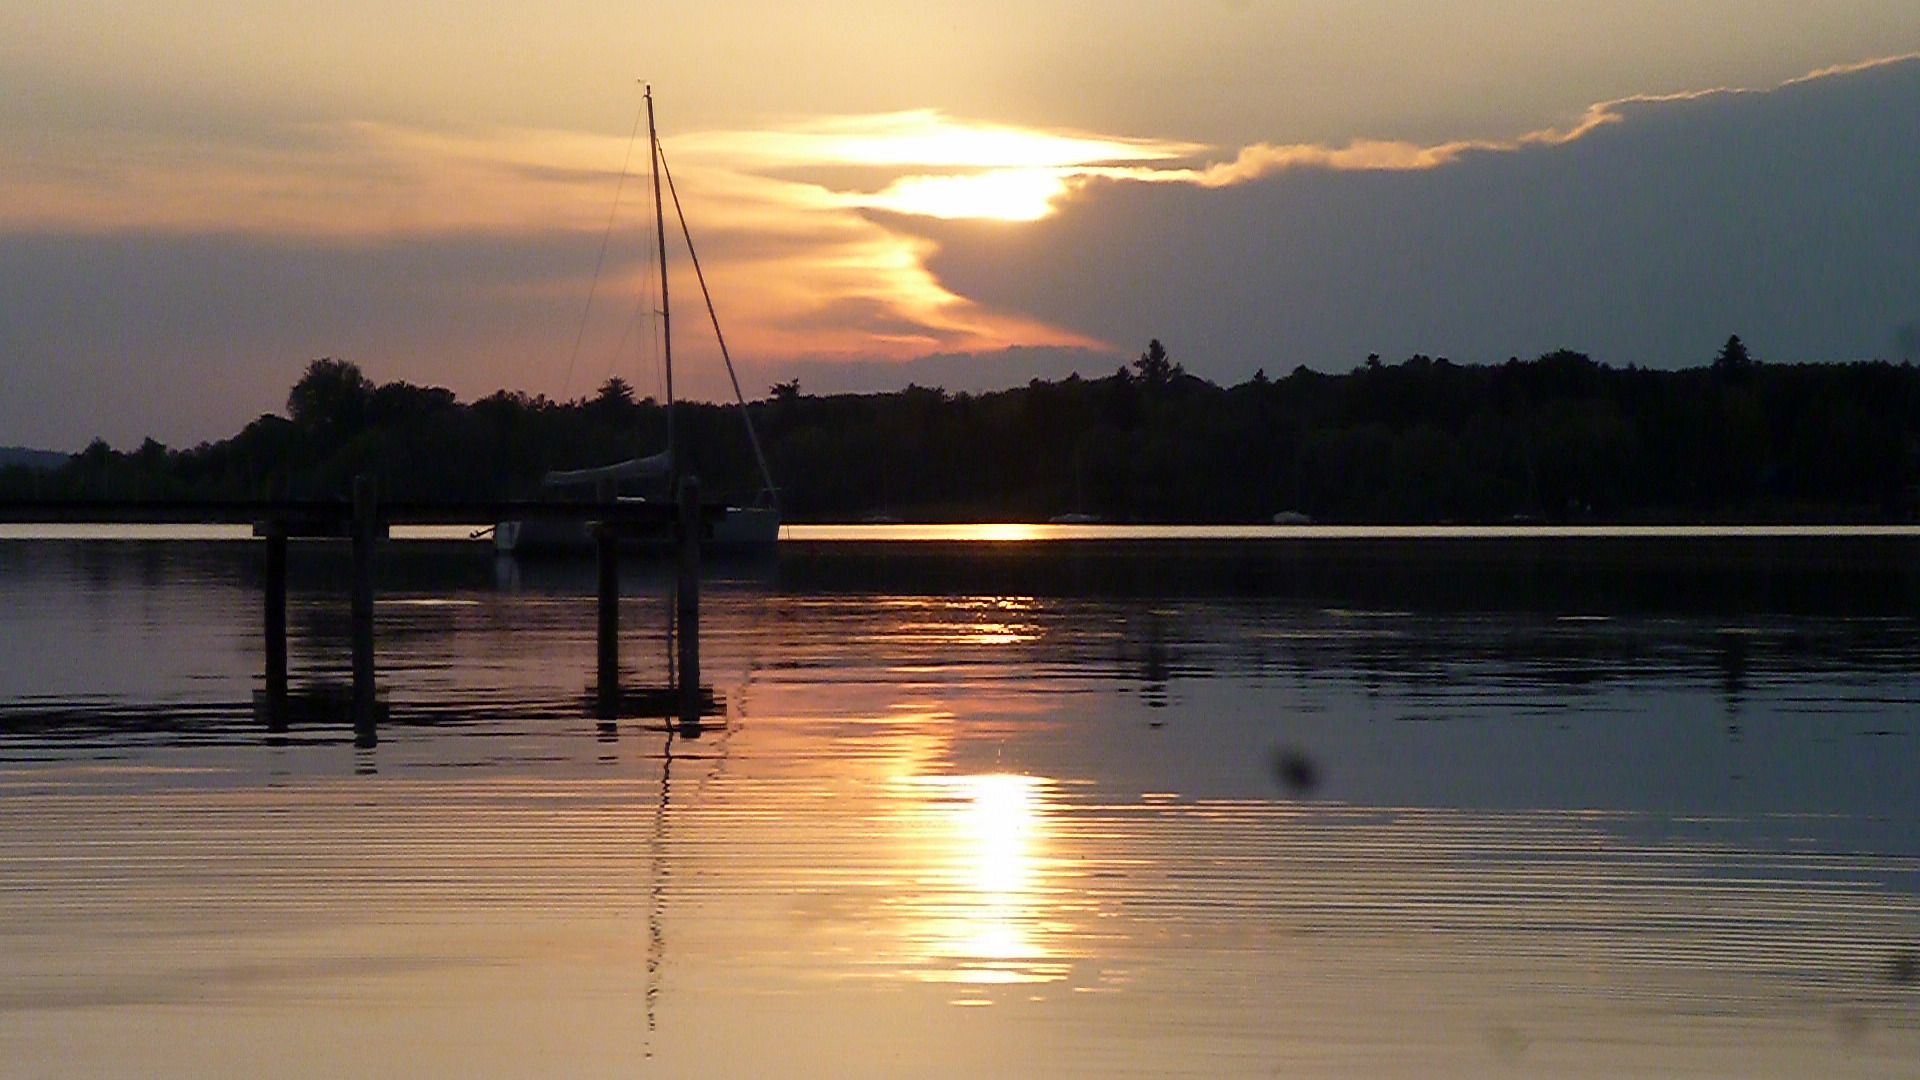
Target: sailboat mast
666	314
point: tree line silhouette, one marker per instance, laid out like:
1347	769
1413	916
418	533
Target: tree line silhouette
1557	438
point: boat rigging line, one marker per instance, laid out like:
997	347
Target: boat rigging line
753	437
599	264
657	162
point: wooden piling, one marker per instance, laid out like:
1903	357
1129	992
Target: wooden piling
607	547
687	608
365	532
365	522
275	533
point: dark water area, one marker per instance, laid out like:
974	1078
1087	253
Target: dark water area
1622	575
1385	807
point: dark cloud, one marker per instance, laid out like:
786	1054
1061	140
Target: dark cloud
187	337
1788	217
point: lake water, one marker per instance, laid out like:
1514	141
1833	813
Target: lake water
1388	805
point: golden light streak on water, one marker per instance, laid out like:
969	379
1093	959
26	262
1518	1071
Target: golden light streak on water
1481	936
984	841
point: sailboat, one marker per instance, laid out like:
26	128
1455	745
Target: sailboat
757	525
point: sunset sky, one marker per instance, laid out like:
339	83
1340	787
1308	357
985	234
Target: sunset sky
199	196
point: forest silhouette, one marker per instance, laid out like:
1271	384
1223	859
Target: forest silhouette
1560	438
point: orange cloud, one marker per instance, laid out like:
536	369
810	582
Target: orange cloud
923	139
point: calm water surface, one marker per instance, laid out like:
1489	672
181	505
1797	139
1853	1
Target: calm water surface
1645	807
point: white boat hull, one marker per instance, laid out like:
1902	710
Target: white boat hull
747	526
738	528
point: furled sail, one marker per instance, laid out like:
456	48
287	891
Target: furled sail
640	468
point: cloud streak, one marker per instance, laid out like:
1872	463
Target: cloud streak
335	182
923	138
1262	160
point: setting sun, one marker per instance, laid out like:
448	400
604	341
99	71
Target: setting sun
933	165
1000	195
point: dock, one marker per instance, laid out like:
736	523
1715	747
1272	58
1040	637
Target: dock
364	521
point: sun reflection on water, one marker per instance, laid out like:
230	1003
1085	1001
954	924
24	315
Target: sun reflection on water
985	907
1004	532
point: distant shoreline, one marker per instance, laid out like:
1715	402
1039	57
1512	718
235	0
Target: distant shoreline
1559	441
33	459
1018	533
